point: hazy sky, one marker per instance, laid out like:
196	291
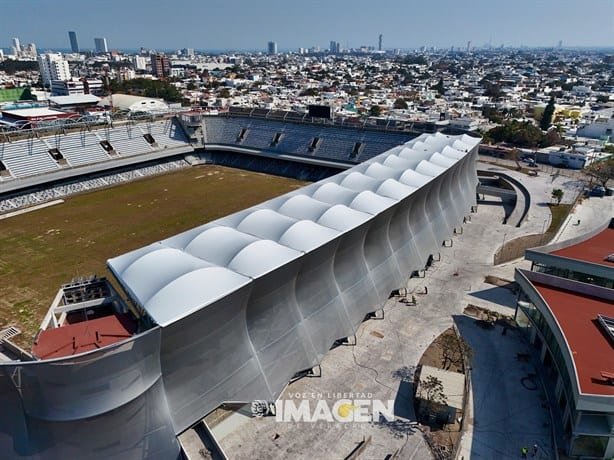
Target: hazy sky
243	24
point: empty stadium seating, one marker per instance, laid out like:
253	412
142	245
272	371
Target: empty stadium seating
335	143
30	157
80	148
126	140
167	133
27	157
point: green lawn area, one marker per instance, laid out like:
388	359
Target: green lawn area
43	249
559	213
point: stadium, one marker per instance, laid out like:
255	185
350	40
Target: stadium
231	310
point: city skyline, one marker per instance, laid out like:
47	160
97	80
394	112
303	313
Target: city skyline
131	25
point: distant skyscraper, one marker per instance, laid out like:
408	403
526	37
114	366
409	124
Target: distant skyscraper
272	48
335	47
74	45
100	44
16	45
52	66
379	46
469	46
560	44
29	50
160	65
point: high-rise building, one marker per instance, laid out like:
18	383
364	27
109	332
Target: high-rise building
29	50
160	65
469	46
16	45
100	44
272	48
335	47
52	66
379	46
74	45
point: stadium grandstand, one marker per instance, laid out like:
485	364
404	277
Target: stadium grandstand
64	156
234	309
384	200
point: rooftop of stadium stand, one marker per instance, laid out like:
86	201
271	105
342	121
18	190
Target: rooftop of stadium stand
591	350
175	277
594	250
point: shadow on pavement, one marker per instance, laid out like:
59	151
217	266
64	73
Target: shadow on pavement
507	415
498	295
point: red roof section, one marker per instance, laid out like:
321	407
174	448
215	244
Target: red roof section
591	350
72	339
593	250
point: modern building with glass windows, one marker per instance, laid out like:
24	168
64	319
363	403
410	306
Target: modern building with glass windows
566	307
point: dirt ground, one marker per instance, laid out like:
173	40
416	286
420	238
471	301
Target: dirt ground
43	249
444	438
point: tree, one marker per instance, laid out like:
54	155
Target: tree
557	194
493	91
546	119
431	392
27	95
375	111
10	66
309	92
439	87
602	171
400	104
520	134
453	349
148	88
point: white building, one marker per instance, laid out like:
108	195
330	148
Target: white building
52	66
130	103
29	50
16	46
601	127
140	62
76	86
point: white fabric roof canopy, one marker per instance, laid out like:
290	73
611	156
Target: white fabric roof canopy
175	277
